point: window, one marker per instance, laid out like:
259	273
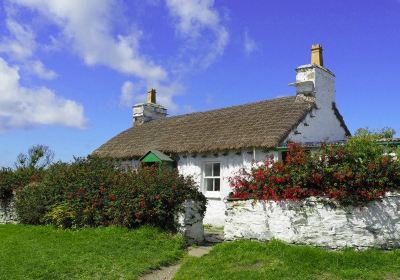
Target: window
212	178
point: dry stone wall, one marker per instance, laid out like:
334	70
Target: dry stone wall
7	212
316	222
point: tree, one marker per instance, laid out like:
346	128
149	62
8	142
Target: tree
38	157
386	132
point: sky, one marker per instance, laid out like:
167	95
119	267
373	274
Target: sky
70	70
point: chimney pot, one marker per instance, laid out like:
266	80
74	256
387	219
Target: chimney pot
151	96
316	55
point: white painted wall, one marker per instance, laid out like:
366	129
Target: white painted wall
324	125
313	222
230	163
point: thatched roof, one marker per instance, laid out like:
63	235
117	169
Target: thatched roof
261	125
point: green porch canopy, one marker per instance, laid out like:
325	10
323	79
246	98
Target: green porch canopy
155	156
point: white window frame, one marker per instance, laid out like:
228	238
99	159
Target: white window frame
215	194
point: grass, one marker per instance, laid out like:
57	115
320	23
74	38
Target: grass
276	260
38	252
213	229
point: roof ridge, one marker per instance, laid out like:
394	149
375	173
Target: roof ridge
229	128
225	108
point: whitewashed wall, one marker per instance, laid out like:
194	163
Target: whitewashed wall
313	222
320	125
230	164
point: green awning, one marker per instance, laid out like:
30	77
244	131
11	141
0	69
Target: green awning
155	156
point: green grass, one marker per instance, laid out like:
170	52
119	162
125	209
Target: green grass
38	252
276	260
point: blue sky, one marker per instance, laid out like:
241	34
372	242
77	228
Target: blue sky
70	70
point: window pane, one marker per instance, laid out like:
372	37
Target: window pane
216	185
216	169
209	185
208	169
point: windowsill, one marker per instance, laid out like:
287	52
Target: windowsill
213	195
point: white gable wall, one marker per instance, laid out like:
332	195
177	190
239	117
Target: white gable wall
320	125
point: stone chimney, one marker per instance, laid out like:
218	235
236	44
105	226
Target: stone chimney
316	55
314	82
145	112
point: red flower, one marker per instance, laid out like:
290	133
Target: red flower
260	175
280	180
316	178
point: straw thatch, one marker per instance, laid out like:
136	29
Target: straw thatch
258	125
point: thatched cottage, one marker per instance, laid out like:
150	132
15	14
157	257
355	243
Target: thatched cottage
211	146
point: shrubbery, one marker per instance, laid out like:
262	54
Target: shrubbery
94	192
11	180
354	173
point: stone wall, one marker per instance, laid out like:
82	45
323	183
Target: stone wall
7	212
316	222
191	223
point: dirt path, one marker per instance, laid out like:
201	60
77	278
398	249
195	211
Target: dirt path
168	272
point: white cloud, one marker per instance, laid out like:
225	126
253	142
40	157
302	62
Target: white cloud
87	25
41	71
249	45
136	93
127	94
21	46
24	107
195	16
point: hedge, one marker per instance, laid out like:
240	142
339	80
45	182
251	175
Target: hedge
352	174
95	192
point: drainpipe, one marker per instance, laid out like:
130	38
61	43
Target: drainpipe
254	154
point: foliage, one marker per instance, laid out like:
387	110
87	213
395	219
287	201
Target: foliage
38	157
6	182
277	260
61	215
354	173
12	180
43	252
94	192
33	201
386	132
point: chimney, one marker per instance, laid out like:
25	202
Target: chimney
145	112
316	55
314	82
151	96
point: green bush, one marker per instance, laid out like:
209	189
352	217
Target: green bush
6	183
94	192
33	202
61	215
13	180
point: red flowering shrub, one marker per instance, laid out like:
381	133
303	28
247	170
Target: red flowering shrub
354	173
11	180
93	192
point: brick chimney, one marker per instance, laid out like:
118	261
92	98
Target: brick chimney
145	112
314	82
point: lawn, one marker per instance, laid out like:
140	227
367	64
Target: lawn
38	252
276	260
